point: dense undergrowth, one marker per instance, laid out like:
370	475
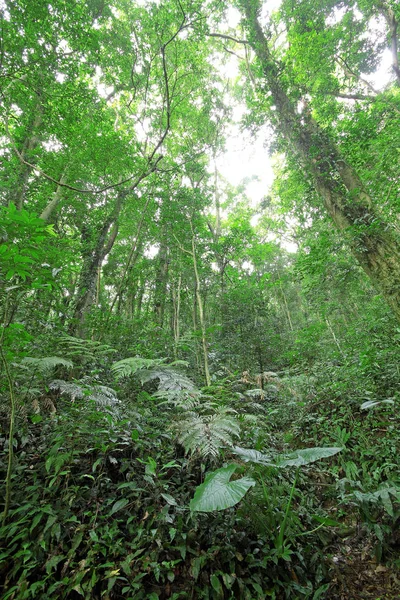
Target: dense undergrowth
108	455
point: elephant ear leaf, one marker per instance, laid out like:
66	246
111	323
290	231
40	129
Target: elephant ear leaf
218	492
306	456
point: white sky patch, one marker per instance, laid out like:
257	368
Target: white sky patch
5	13
52	144
248	266
244	158
380	79
152	251
60	77
233	17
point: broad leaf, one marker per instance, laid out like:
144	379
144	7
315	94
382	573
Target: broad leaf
307	456
294	459
118	505
371	403
218	493
250	455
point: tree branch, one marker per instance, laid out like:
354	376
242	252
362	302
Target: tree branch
228	37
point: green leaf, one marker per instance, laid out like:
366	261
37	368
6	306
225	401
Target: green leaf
250	455
218	493
119	504
295	459
36	418
371	403
300	458
215	582
169	499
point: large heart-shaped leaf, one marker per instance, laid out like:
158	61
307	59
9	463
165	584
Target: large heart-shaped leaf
250	455
306	456
371	403
298	458
218	493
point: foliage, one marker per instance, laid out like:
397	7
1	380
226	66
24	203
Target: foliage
133	273
218	493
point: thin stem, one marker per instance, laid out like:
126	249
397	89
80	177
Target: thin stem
10	438
282	530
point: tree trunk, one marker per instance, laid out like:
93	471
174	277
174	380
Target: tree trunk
161	284
200	306
30	144
372	241
94	253
55	200
176	306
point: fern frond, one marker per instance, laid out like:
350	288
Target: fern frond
67	388
47	364
103	396
130	366
183	400
207	434
256	393
170	380
85	350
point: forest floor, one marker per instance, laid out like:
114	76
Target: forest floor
101	504
357	576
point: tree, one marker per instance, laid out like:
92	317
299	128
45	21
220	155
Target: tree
373	241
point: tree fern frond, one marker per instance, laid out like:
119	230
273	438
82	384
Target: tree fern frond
170	380
183	400
67	388
46	364
104	396
207	434
130	366
85	350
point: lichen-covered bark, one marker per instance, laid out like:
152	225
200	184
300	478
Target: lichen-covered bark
373	242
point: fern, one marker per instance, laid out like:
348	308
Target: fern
208	434
171	383
45	365
66	388
84	350
183	400
102	395
130	366
170	380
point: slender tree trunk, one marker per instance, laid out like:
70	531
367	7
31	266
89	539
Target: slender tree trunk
95	251
139	301
372	241
201	311
392	23
161	281
195	329
55	200
30	144
285	303
331	331
176	304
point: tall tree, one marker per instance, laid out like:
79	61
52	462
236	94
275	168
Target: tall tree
373	241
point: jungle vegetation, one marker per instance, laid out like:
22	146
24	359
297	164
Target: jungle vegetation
199	390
